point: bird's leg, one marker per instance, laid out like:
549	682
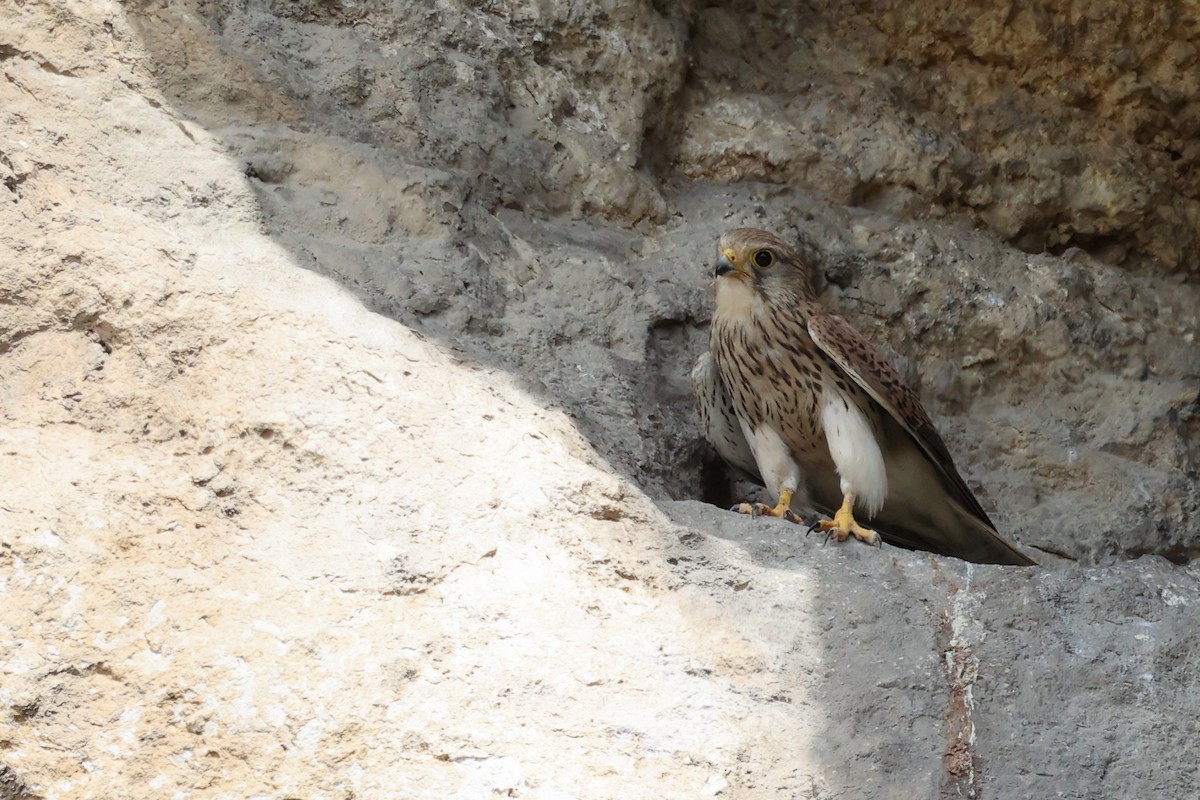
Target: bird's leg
843	526
782	509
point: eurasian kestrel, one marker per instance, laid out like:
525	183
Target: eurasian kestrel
794	396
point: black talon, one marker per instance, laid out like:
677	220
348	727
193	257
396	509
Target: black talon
828	534
791	517
812	527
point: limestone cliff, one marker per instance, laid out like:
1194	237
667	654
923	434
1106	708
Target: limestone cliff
347	442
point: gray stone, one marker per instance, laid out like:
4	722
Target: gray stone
347	446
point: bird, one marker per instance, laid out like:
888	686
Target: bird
793	396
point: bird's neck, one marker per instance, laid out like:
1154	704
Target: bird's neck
740	301
737	299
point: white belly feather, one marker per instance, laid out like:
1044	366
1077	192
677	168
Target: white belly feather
778	468
855	451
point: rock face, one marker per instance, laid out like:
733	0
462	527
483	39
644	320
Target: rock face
1056	124
347	442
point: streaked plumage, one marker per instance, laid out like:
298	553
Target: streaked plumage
792	394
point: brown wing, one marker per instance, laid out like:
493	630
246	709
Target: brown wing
870	370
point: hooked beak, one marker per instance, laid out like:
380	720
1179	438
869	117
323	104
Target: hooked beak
725	265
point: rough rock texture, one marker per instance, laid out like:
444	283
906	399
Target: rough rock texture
1058	124
347	448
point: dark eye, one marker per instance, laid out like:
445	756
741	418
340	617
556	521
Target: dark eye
763	258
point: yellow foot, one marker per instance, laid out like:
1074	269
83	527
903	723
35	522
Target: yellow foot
782	510
843	525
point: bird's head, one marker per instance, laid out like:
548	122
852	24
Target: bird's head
764	261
